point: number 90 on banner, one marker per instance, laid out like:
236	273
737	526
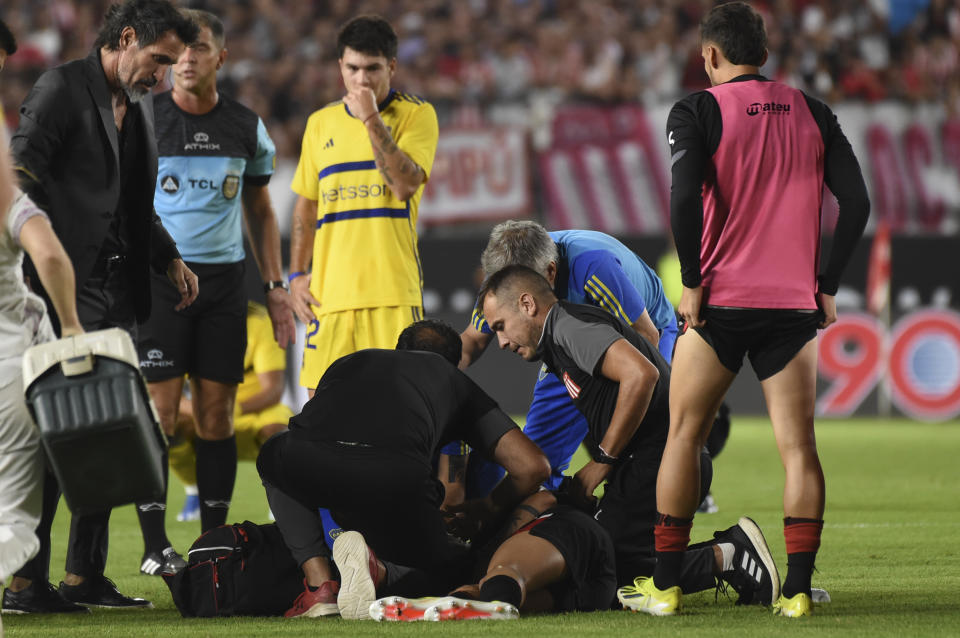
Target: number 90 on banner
921	357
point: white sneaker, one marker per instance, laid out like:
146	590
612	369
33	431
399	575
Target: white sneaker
357	566
708	506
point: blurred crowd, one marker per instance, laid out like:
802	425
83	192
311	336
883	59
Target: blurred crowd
472	57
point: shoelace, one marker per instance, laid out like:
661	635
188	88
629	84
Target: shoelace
721	588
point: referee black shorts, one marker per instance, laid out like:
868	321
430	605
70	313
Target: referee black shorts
207	339
770	338
591	580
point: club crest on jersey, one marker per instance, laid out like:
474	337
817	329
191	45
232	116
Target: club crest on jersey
572	388
169	184
231	184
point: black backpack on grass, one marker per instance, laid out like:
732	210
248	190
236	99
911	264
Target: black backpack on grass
237	570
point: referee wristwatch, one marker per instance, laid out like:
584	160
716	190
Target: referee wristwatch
277	283
606	459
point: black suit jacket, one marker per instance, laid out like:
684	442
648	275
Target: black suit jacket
66	150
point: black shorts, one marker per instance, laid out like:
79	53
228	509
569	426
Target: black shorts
389	495
208	338
770	338
628	509
591	580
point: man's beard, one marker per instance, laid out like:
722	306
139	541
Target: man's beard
136	92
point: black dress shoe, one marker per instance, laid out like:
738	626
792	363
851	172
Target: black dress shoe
39	598
99	591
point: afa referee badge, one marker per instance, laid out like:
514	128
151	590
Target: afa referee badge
279	283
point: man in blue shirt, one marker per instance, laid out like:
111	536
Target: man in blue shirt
584	267
215	162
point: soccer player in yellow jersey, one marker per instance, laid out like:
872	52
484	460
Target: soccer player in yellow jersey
258	412
356	280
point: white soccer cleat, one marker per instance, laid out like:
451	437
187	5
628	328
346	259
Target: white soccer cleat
400	609
451	608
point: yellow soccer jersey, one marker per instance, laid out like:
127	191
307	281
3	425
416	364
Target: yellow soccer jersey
263	354
365	251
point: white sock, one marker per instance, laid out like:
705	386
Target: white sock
727	550
190	490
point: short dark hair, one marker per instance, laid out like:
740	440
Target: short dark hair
370	35
510	279
208	20
433	336
149	18
737	29
7	42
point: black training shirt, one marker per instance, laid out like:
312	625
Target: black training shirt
404	402
575	339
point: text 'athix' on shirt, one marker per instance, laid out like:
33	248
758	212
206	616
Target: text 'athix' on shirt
201	142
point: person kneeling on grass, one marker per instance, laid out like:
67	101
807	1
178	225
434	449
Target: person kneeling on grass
363	447
620	383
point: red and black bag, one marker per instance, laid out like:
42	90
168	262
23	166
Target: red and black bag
243	569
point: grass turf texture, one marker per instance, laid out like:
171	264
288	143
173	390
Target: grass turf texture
890	556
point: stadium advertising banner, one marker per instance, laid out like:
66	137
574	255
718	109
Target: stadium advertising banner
608	169
605	170
916	364
478	174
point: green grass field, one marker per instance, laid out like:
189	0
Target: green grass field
890	556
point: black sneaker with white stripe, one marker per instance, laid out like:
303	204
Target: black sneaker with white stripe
754	575
166	562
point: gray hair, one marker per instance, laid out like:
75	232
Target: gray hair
524	243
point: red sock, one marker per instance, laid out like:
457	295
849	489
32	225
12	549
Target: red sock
802	536
671	538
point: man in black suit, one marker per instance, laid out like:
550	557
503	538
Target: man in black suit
86	153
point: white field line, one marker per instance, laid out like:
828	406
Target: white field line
891	525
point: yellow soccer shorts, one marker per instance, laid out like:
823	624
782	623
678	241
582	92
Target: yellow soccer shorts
337	334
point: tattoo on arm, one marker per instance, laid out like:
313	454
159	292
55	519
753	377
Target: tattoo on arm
384	145
382	165
529	510
517	521
385	139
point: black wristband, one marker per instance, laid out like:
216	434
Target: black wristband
603	457
278	283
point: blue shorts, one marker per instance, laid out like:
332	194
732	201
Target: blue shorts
668	337
553	423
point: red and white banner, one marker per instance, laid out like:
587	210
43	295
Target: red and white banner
603	171
608	169
478	174
878	270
